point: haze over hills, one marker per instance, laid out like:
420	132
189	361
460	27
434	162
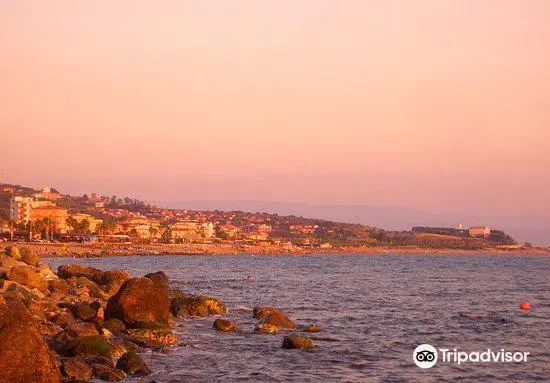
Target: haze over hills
527	228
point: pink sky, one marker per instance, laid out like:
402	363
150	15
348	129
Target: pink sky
440	105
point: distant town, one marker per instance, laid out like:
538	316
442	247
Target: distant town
49	216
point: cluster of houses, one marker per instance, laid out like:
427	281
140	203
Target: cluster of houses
101	221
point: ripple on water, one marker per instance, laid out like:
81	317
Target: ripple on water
377	308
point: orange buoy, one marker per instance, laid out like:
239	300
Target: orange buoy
525	306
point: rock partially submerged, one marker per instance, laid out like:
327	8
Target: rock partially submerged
132	364
266	328
196	306
279	319
225	325
299	342
140	304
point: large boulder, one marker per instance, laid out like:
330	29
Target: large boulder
132	364
279	319
196	306
88	311
159	279
24	355
297	342
140	304
58	285
28	276
225	325
73	270
112	280
162	336
90	346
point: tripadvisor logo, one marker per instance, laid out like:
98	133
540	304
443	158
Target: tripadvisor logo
426	355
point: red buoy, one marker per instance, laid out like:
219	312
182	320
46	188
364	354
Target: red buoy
525	306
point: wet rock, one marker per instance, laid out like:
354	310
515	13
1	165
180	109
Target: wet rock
114	325
159	279
112	280
266	328
312	328
163	336
279	319
68	271
132	364
82	329
260	312
27	276
297	342
76	368
90	346
224	325
107	373
24	355
197	306
140	304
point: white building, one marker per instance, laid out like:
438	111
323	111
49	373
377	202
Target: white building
20	207
479	231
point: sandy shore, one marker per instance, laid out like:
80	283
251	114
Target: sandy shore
102	250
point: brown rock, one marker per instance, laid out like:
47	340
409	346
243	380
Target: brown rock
58	285
114	325
8	262
262	311
90	346
88	311
64	319
27	276
312	328
73	270
224	325
196	306
266	328
76	368
297	342
279	319
24	356
140	304
164	336
159	279
29	257
13	252
83	281
82	329
16	288
107	373
112	280
132	364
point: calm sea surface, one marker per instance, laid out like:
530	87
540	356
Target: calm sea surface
375	309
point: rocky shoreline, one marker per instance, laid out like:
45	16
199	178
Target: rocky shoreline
80	250
81	323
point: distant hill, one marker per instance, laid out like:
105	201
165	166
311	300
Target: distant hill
534	229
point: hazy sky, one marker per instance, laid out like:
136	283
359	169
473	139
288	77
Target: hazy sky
440	105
